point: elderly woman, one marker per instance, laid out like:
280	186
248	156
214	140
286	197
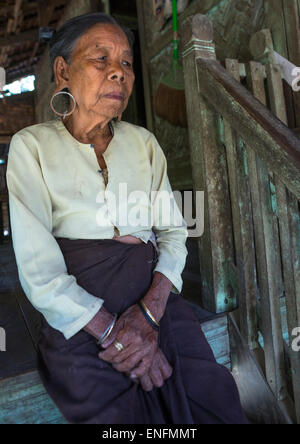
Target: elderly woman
118	344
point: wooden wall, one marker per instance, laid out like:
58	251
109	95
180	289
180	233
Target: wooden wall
16	112
44	85
234	23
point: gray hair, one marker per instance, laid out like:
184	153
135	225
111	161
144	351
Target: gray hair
63	41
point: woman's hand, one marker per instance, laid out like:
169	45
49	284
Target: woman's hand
139	340
159	371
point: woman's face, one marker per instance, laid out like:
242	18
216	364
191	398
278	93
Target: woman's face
100	71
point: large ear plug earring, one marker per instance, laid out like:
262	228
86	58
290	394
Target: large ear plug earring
65	114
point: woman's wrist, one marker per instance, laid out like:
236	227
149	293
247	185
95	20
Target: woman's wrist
157	297
99	324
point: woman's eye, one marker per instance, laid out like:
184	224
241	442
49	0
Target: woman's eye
102	59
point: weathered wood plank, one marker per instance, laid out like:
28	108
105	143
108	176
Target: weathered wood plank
16	113
208	160
289	220
257	398
242	225
5	139
269	267
23	400
277	146
291	11
281	34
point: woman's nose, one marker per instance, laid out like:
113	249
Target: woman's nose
116	73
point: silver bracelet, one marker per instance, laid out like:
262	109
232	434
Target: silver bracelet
108	330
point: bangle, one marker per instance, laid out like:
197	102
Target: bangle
149	317
108	331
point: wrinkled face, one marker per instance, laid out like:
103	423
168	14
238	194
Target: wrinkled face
100	71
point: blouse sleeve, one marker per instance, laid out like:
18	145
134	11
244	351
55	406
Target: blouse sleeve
169	225
43	275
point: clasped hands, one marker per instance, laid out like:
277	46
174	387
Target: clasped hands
141	359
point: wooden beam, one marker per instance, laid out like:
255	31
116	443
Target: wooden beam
209	173
22	37
17	14
45	11
242	225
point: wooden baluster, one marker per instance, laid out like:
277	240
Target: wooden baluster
243	226
267	258
289	223
208	161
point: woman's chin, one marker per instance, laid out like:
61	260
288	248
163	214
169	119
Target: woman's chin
109	113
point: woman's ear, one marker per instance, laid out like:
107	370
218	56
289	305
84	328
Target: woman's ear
60	69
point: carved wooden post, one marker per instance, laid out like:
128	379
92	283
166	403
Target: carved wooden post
208	159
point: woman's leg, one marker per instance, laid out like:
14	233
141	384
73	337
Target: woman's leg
209	388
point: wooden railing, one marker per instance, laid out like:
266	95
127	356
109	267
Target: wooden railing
247	161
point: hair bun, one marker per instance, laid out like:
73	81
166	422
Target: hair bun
46	33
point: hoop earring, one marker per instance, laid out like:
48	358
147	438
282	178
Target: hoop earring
65	114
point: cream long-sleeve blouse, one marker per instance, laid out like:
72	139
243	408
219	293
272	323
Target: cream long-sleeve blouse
56	189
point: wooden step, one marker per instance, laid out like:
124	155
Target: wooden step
23	400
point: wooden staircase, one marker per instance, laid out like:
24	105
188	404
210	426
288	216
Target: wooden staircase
247	161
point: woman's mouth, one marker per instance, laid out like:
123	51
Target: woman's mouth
115	96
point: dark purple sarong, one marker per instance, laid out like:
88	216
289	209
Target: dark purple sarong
88	390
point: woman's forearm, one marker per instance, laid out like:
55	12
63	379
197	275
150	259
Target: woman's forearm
157	296
97	326
156	300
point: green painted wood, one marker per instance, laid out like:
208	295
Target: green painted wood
215	329
289	223
23	400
